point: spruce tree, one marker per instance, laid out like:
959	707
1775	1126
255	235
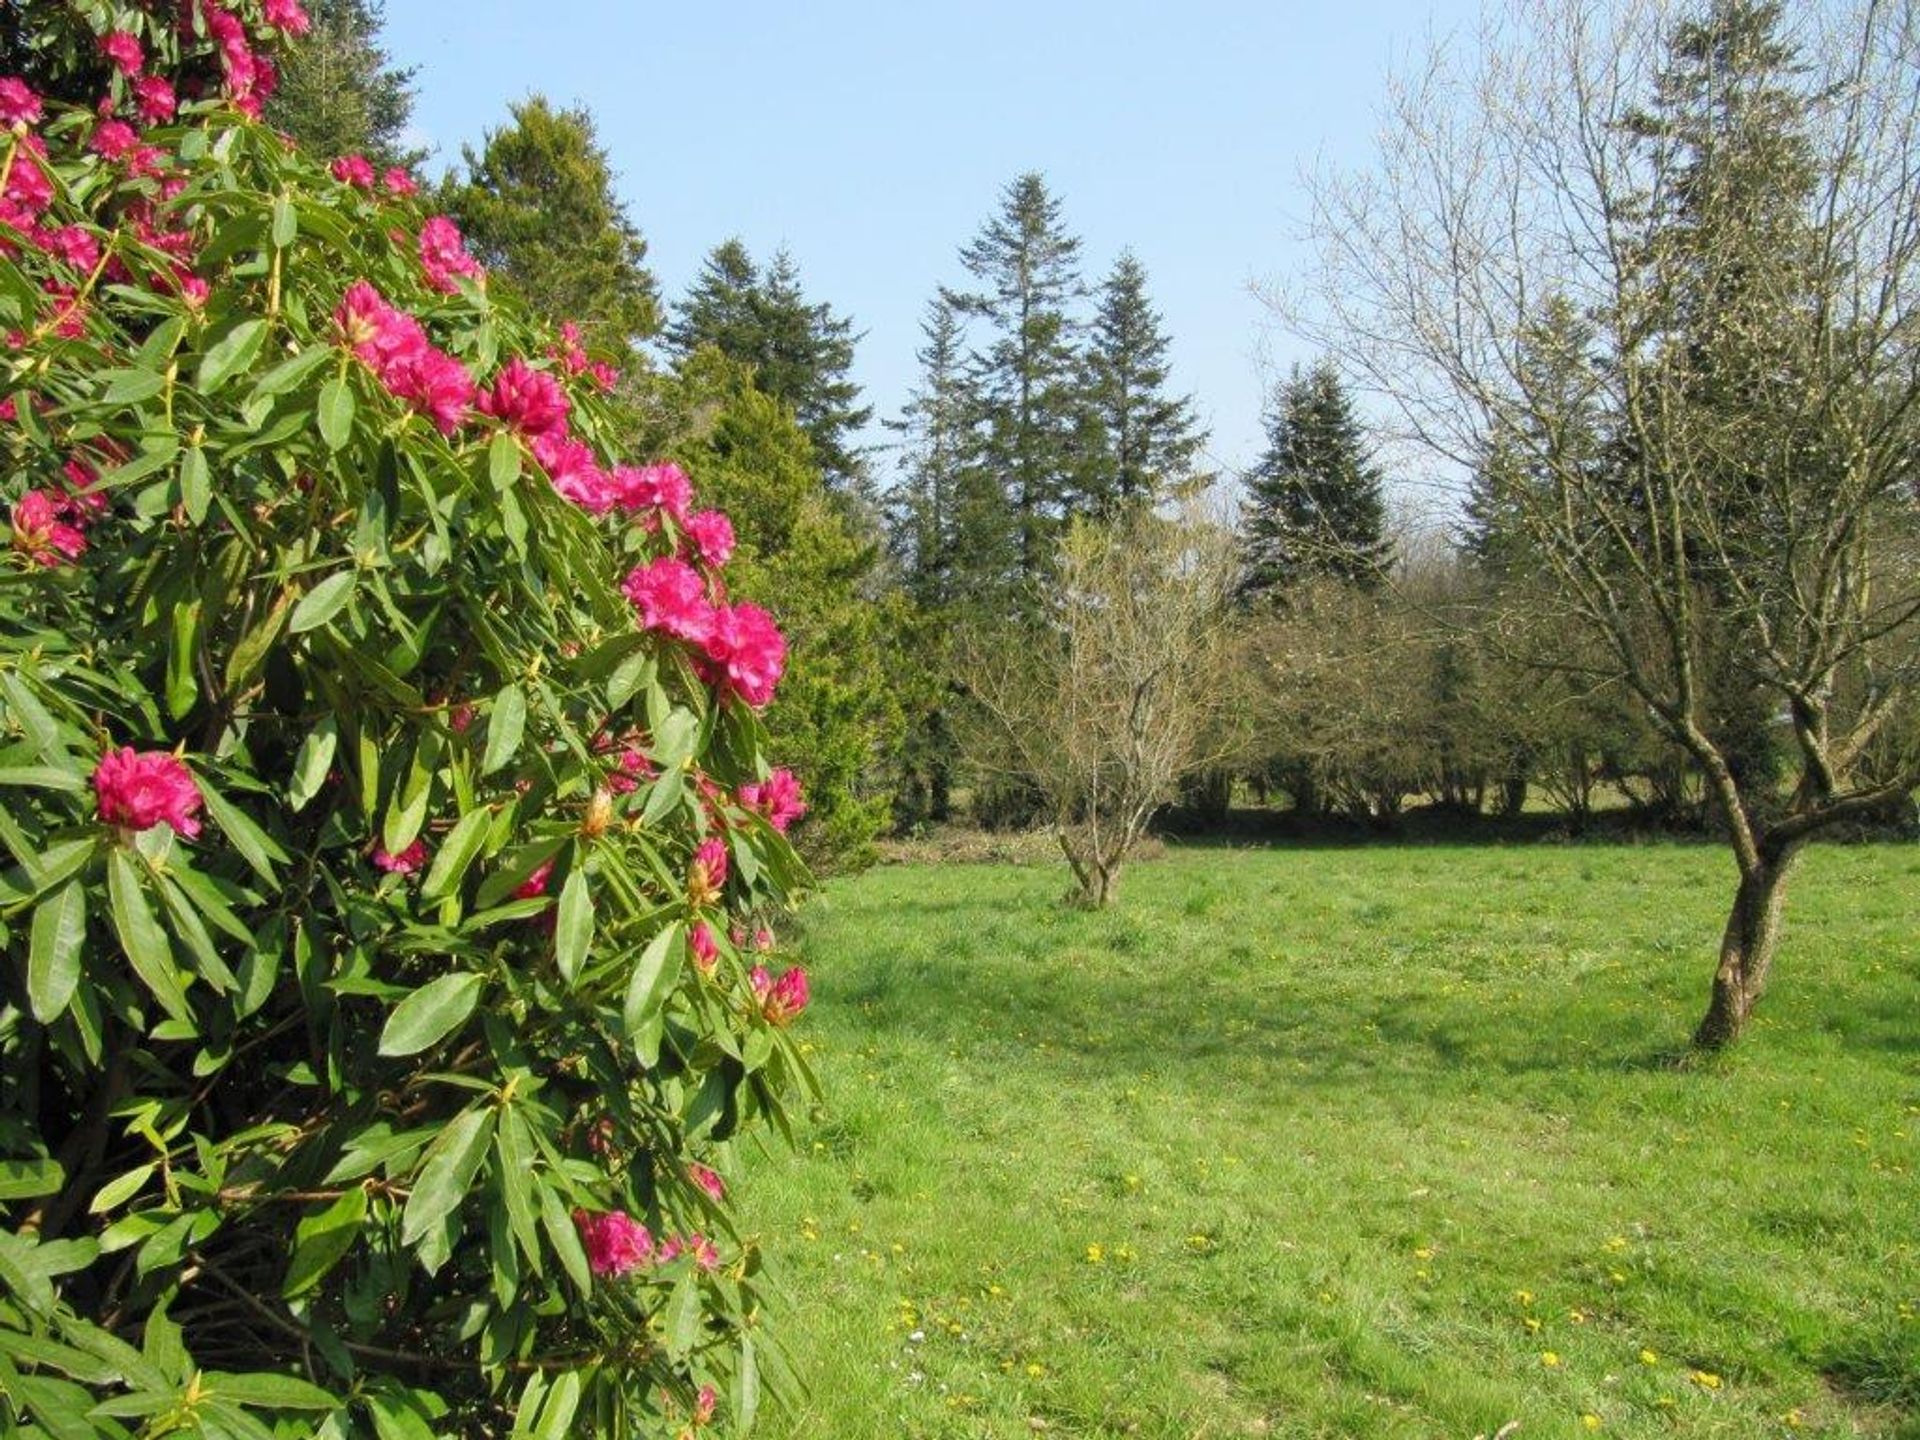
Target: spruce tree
340	93
801	352
1148	438
539	210
1315	503
933	449
1026	384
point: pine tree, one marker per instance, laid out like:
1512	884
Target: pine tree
1026	384
801	352
539	210
1315	504
1148	438
340	93
935	440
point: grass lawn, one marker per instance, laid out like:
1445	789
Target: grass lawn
1353	1143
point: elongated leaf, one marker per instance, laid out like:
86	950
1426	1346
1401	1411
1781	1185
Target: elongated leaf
291	371
230	354
142	938
430	1014
286	223
121	1188
183	685
322	602
683	1317
322	1240
564	1238
556	1416
253	843
655	975
196	486
457	853
503	460
53	961
40	777
335	412
311	764
505	725
516	1181
573	925
130	387
444	1179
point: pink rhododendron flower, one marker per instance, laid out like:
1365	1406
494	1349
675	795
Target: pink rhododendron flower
705	950
395	347
568	352
74	244
671	598
83	499
748	650
122	47
28	191
112	139
712	535
705	1254
604	375
287	15
40	534
707	876
443	255
535	885
616	1243
137	790
704	1405
409	861
435	384
399	181
777	797
631	768
648	487
525	399
18	104
154	98
573	471
780	1000
354	170
707	1180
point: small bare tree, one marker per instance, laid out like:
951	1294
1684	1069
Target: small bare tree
1662	259
1120	684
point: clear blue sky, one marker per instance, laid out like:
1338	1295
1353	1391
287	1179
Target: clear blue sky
873	139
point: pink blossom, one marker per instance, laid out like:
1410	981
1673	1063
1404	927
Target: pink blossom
706	951
140	789
707	1180
703	1250
748	650
777	797
707	876
443	255
287	15
570	465
112	139
629	771
712	534
525	399
18	103
616	1243
781	1000
398	180
193	289
568	351
83	500
74	244
435	384
603	374
41	535
671	598
122	47
535	885
664	487
409	861
354	170
704	1405
154	97
395	347
28	191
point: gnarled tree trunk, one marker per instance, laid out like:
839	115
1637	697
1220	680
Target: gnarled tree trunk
1747	946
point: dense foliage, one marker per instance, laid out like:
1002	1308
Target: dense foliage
391	832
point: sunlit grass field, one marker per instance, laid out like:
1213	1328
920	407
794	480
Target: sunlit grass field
1363	1142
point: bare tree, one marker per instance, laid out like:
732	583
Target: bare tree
1702	224
1121	685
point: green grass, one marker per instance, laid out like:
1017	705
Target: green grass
1364	1136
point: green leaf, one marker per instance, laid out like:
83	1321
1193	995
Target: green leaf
231	353
335	412
286	223
322	1240
564	1238
746	1387
506	723
457	852
516	1179
664	794
403	822
503	460
573	926
253	843
131	386
683	1317
655	975
311	764
142	938
196	487
269	1391
634	672
447	1174
121	1188
42	730
53	960
183	686
40	777
290	372
674	740
556	1416
430	1014
323	602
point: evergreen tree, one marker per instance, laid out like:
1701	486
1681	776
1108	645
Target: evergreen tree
800	352
1148	438
1026	384
538	208
1315	503
935	441
340	93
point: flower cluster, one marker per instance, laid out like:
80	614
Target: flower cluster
137	790
443	255
777	797
742	646
781	998
617	1245
394	345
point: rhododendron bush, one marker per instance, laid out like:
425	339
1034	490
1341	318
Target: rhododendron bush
392	844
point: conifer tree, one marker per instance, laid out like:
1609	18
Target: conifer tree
935	441
538	207
1148	438
340	93
801	352
1026	383
1315	504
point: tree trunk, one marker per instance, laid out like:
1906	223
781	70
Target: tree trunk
1746	949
